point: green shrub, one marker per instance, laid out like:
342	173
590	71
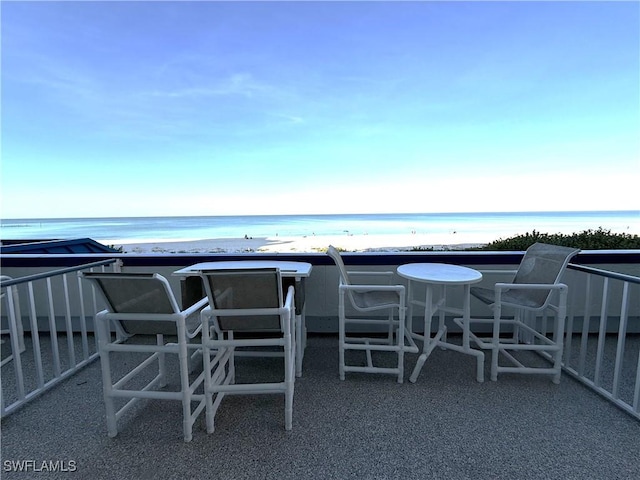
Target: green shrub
599	239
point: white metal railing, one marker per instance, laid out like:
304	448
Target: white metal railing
601	350
602	341
40	366
607	362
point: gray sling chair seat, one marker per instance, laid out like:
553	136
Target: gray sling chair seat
142	304
369	297
534	295
246	310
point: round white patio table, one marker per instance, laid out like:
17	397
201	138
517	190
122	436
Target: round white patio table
440	275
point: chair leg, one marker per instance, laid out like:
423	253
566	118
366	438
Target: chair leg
109	404
208	393
558	338
495	350
162	366
401	326
300	342
212	405
206	367
218	372
104	338
193	362
289	369
288	410
183	362
557	366
221	378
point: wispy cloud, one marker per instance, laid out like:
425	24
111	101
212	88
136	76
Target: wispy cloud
237	84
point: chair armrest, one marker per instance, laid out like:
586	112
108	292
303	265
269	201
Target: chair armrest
373	288
121	333
386	275
530	286
195	308
289	302
241	312
563	292
498	272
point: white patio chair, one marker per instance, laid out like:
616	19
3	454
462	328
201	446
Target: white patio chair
370	298
142	304
246	309
535	291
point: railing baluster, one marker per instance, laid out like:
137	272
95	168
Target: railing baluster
597	380
83	321
15	341
70	345
636	393
586	321
622	332
35	335
53	331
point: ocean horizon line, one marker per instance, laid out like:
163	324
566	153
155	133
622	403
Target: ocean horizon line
505	213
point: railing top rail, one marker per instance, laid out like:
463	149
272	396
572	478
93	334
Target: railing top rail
179	260
605	273
54	273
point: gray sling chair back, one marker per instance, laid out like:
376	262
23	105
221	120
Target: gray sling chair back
246	311
383	306
142	304
535	294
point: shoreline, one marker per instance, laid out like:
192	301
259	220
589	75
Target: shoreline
303	244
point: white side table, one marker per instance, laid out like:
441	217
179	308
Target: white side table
442	275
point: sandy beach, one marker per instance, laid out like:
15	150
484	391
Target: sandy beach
307	244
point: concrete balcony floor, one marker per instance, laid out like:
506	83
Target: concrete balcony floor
446	426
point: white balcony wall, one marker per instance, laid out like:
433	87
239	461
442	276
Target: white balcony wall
322	293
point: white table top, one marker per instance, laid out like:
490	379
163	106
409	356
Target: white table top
439	273
287	269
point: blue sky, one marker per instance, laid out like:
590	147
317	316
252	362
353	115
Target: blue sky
214	108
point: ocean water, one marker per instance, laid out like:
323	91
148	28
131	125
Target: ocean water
480	225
